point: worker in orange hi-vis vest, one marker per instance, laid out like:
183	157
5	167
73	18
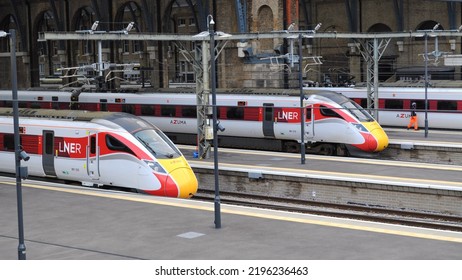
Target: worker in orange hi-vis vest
413	119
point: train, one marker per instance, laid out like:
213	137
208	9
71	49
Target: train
97	149
253	118
444	105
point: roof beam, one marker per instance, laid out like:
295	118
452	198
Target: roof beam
44	36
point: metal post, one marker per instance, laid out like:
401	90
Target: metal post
376	80
426	85
100	58
302	110
17	145
215	122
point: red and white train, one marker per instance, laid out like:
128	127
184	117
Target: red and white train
97	148
444	109
334	124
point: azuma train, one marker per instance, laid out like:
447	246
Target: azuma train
96	149
444	105
252	118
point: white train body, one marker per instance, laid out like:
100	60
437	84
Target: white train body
97	148
444	109
330	117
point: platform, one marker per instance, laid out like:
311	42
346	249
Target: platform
63	222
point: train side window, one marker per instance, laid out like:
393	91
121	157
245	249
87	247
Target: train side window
189	111
92	144
393	104
8	142
49	142
147	110
114	144
235	113
128	108
269	112
35	105
420	104
447	105
103	104
328	112
167	110
55	103
308	114
88	106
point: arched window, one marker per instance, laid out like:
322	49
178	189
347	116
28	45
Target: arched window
6	24
427	25
265	24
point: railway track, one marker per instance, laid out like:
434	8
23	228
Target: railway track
372	213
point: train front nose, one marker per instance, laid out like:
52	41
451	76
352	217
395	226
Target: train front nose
181	182
378	139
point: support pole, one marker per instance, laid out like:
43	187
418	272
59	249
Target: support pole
302	109
426	85
211	23
17	146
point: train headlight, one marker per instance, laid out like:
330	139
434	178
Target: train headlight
360	127
155	166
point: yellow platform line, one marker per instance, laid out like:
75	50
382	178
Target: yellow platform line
274	215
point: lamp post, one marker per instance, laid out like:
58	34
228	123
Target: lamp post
302	96
302	109
426	84
19	154
211	24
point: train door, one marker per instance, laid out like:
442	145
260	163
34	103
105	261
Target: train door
93	155
48	148
309	121
268	119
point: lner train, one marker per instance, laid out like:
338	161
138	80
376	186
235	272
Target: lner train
97	148
444	105
261	119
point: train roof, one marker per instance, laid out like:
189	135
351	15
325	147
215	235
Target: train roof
243	91
234	91
70	115
128	122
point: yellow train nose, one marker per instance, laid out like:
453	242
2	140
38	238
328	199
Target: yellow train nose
181	180
379	135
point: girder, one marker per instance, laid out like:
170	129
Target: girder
372	50
241	13
96	8
352	13
146	17
19	22
399	12
452	15
204	111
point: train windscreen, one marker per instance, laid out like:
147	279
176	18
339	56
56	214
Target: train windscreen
357	111
353	107
157	143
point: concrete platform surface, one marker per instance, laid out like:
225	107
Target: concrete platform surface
63	222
